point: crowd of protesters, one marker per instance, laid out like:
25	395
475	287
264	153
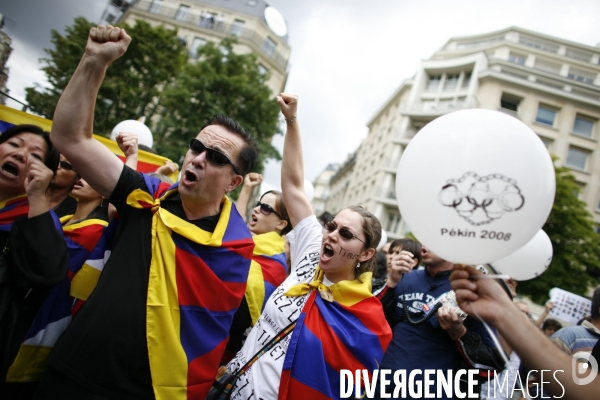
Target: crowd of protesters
121	285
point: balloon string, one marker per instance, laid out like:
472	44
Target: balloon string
492	335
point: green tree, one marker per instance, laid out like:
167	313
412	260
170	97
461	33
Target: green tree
576	245
133	84
221	82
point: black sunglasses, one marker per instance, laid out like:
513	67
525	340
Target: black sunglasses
345	233
212	155
66	165
267	209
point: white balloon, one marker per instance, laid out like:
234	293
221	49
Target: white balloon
142	131
529	261
309	189
475	185
383	240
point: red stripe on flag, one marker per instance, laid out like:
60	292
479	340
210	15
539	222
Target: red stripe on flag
86	236
142	166
200	378
297	390
372	320
198	285
273	272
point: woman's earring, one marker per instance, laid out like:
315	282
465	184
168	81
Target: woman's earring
358	265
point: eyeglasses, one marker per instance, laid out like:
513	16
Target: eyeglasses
66	165
344	232
212	155
267	209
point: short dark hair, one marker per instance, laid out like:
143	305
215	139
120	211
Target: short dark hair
551	323
52	155
596	303
249	153
408	245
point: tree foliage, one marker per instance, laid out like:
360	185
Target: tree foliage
576	245
221	82
133	83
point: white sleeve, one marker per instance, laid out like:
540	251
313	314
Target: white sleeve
305	247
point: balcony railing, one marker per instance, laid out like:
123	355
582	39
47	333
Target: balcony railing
440	107
242	33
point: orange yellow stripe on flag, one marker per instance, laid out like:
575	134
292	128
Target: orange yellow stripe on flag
147	162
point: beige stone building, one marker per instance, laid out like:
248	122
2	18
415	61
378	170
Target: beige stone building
259	28
5	50
551	84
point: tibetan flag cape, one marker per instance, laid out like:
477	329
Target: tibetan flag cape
197	282
85	245
11	209
268	270
349	332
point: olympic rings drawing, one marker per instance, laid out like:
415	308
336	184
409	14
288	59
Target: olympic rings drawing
481	200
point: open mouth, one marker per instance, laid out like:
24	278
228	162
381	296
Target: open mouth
10	169
78	184
190	176
327	251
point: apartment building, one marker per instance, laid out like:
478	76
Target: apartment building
259	28
550	84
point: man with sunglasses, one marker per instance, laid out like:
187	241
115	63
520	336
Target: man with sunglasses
156	324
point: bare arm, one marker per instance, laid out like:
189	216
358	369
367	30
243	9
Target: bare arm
73	119
250	181
487	299
292	165
540	321
128	143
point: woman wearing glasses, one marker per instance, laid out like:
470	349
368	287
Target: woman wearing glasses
338	323
269	221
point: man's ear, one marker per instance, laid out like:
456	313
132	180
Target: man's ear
235	182
366	255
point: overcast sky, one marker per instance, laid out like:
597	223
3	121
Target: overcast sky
348	56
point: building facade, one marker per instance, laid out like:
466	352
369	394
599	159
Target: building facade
259	28
5	50
550	84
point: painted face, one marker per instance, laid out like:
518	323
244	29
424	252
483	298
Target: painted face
65	174
15	154
203	180
262	223
340	255
84	192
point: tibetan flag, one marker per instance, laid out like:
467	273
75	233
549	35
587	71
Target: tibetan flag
147	162
197	282
349	332
11	209
85	279
55	314
268	270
